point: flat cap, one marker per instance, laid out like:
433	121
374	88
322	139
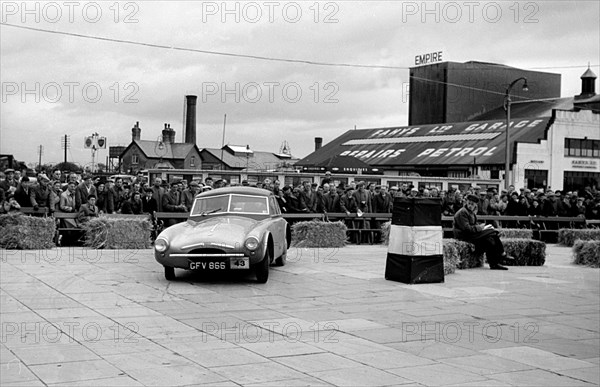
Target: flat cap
473	198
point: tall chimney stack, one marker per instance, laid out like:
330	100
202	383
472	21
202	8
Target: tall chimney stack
190	119
318	143
136	132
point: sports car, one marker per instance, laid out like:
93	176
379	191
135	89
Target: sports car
233	228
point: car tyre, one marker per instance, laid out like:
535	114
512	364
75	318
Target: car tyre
262	268
169	273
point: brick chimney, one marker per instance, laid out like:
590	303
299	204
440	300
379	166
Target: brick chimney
136	132
318	143
168	134
190	119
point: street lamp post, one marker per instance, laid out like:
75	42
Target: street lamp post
507	102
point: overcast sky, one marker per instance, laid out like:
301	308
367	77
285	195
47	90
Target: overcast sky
57	84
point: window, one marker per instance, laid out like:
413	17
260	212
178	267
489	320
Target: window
582	148
193	161
536	178
135	159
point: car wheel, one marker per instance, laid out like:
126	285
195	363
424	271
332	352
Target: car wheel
169	273
262	268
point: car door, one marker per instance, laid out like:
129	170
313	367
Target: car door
278	225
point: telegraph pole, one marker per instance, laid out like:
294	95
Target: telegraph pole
65	144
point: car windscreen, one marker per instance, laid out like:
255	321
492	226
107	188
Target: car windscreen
247	204
218	204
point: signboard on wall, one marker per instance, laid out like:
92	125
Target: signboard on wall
585	164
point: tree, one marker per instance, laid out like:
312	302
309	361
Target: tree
68	167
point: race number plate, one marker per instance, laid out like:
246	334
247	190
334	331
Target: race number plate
222	265
239	263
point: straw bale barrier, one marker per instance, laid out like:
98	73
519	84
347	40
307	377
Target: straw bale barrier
18	231
586	253
316	233
568	236
107	233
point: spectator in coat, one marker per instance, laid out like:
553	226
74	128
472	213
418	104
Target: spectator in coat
382	200
133	205
348	201
550	205
55	193
158	191
110	197
39	194
9	184
67	198
321	201
362	197
170	201
149	204
85	189
308	196
289	202
22	192
101	200
88	210
188	195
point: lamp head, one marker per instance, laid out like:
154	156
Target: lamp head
525	87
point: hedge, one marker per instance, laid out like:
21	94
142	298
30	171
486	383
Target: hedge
586	253
18	231
316	233
568	236
106	233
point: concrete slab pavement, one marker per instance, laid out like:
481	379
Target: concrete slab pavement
72	316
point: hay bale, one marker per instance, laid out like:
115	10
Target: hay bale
586	253
521	233
467	257
568	236
527	252
106	233
451	256
316	233
18	231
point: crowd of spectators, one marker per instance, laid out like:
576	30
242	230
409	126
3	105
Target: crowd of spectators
362	197
138	196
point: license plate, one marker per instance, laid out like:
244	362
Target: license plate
239	263
222	265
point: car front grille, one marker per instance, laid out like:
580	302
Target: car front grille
207	254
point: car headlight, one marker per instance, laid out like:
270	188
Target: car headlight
251	243
161	245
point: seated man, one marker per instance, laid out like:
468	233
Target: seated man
485	238
88	210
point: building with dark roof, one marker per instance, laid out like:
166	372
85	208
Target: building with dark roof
553	143
235	157
163	152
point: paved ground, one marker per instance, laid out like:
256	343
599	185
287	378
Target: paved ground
106	318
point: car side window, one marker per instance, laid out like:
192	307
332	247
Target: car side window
274	208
